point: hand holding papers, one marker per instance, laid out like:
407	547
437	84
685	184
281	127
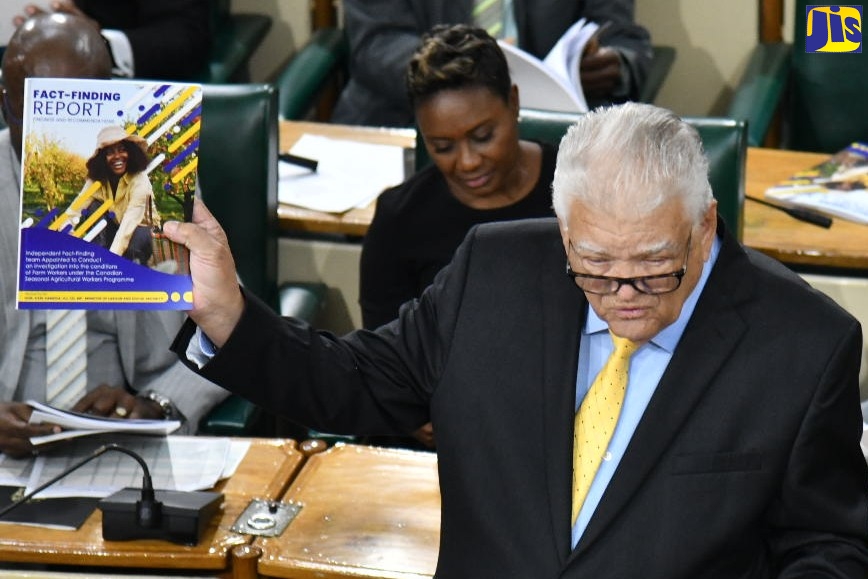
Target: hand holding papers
75	424
349	174
552	83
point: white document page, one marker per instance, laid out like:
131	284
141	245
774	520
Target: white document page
76	424
182	463
350	174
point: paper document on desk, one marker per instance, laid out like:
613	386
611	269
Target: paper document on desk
183	463
350	174
838	186
75	424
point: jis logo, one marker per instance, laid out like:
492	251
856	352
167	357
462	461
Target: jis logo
834	29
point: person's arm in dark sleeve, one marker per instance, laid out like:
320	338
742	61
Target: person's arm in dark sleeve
631	42
383	35
817	523
172	40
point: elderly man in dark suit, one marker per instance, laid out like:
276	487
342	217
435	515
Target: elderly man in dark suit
729	439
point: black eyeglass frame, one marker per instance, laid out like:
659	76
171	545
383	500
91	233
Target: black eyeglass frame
636	282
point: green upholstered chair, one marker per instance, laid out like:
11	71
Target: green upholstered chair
238	177
321	60
820	96
235	38
724	141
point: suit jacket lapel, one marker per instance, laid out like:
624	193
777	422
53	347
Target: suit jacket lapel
564	310
713	331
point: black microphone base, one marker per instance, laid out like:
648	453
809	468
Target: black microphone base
185	515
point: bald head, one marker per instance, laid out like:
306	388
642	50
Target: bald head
50	45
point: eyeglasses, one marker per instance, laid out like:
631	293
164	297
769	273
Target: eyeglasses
603	285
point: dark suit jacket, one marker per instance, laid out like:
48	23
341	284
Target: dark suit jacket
746	463
171	39
384	34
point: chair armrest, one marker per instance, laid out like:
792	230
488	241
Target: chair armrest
302	300
234	416
301	81
236	38
760	89
661	62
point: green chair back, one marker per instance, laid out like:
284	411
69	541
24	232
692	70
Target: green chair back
819	95
238	177
235	38
825	109
305	76
724	141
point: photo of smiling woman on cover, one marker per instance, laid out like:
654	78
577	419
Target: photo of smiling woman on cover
118	165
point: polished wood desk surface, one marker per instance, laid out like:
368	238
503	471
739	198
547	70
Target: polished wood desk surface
354	222
264	473
844	245
367	512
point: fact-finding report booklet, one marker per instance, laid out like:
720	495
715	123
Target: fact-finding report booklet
104	163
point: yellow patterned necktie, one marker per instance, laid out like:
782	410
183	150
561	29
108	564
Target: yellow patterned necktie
597	417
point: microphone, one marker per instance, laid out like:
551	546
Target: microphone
129	514
148	509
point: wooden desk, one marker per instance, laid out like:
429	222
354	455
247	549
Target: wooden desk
844	245
264	473
367	512
356	221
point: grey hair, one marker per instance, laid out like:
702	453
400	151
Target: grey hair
635	155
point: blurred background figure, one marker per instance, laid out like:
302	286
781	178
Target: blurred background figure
384	33
130	371
467	111
162	39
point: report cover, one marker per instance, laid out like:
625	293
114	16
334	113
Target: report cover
838	186
104	164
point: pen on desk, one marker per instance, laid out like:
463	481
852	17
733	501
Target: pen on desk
300	161
798	213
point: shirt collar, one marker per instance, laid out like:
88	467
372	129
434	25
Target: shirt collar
669	336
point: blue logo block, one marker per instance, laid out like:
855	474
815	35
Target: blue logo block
834	29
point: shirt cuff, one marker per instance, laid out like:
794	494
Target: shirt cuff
121	52
200	349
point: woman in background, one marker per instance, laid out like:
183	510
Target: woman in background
466	110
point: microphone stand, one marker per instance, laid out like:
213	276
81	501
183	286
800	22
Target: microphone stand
148	509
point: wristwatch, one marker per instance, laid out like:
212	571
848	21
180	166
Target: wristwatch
165	404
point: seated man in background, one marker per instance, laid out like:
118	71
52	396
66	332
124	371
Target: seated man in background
623	392
383	35
130	373
160	39
467	112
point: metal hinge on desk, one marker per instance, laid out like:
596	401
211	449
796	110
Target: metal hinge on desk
266	518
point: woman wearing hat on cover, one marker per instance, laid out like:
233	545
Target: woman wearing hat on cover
118	165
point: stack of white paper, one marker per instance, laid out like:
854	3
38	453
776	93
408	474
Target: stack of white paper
350	173
181	463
